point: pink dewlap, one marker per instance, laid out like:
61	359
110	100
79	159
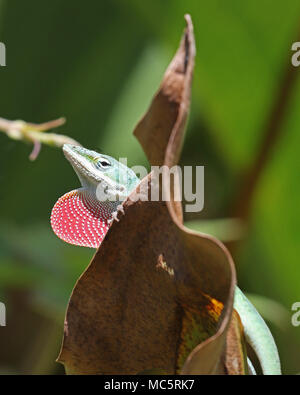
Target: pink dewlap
79	220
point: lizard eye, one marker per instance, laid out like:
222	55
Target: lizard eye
103	163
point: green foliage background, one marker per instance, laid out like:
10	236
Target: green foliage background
98	63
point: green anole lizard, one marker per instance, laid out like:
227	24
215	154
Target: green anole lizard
82	217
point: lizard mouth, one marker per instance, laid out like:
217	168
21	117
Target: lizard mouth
73	151
68	150
81	160
81	163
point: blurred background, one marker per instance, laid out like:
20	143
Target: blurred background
98	63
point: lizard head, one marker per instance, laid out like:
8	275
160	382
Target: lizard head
101	174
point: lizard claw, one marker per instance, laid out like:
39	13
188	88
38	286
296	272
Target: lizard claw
120	208
114	216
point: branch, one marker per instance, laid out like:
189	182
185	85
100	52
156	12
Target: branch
34	133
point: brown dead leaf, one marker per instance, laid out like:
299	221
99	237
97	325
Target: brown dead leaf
236	355
156	295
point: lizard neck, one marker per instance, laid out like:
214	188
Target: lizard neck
96	206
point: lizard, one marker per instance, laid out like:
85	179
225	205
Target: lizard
82	217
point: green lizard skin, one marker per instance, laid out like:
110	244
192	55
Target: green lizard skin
257	334
81	218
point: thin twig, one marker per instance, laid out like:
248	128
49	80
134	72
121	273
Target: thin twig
47	125
34	133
